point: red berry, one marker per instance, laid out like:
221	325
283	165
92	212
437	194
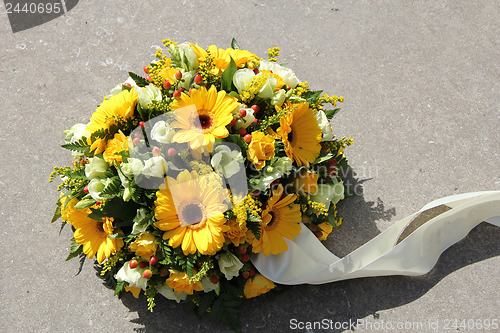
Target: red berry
233	122
167	84
245	257
245	274
243	113
318	233
191	90
242	131
182	89
177	94
147	274
198	79
133	264
98	203
252	272
256	193
324	149
127	84
86	189
178	75
163	271
242	249
171	152
146	69
247	138
255	108
214	279
156	151
332	162
142	124
143	264
136	141
305	219
313	227
153	260
256	70
255	121
148	78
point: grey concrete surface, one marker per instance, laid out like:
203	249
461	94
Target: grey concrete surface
421	85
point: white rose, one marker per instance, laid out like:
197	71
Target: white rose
155	166
75	133
186	52
285	73
329	193
132	275
169	293
272	172
133	167
96	168
162	132
325	126
241	77
147	95
96	186
229	265
225	161
245	121
338	191
278	97
267	89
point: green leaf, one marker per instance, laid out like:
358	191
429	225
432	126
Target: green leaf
85	203
227	76
330	113
75	250
112	189
234	44
117	236
324	158
254	226
141	82
119	287
312	96
206	302
57	214
78	146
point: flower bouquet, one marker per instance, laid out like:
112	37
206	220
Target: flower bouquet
185	174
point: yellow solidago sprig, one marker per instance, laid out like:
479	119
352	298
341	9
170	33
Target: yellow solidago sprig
273	53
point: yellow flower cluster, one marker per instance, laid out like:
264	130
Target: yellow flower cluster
330	99
205	267
253	205
300	89
252	88
241	214
273	53
318	206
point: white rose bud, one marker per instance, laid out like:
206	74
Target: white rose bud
155	166
285	73
162	132
96	168
245	121
229	265
278	97
76	132
132	275
96	186
147	95
119	88
325	126
241	78
267	89
170	294
186	52
225	161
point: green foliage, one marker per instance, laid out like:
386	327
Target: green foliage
119	287
75	249
234	44
312	96
113	189
140	81
80	146
227	76
176	258
85	203
57	213
322	158
330	113
225	308
253	224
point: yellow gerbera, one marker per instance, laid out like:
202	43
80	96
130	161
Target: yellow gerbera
179	282
116	145
280	219
67	206
222	57
113	110
207	120
93	235
190	211
300	133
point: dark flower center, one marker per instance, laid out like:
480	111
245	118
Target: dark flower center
192	214
205	121
290	136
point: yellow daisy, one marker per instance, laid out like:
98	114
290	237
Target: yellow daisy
116	145
300	133
202	124
93	235
190	211
113	110
280	220
222	57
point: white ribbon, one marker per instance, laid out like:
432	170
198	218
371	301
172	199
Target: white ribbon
411	246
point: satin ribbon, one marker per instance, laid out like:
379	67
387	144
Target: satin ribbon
411	246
